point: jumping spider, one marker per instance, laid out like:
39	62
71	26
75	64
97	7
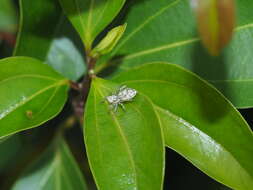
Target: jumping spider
124	94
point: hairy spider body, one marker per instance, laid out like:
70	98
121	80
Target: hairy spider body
124	94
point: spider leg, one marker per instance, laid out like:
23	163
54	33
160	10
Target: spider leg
115	107
122	87
123	107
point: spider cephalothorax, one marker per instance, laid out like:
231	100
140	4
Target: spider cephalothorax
124	94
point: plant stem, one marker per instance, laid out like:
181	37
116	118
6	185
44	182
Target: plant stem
87	79
84	87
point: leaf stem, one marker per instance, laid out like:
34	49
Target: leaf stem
74	85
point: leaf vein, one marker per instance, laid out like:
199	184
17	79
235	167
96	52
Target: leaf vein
99	144
49	100
27	75
88	33
148	20
48	173
60	83
67	153
101	14
80	15
57	171
173	45
124	139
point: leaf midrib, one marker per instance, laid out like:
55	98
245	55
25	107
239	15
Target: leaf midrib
124	139
100	15
76	2
148	20
21	103
47	103
208	80
98	140
165	46
231	80
173	45
73	162
63	173
27	76
161	131
136	81
57	168
89	19
48	173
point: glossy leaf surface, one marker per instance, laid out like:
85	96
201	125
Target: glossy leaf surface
198	122
90	17
55	169
216	19
51	42
125	148
31	94
65	58
166	31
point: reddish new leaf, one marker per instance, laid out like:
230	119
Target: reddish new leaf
216	19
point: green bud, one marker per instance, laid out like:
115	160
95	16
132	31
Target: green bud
109	41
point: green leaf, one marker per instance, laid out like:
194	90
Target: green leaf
8	17
31	94
125	148
55	169
216	21
198	122
166	31
38	22
90	17
9	149
52	44
65	58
